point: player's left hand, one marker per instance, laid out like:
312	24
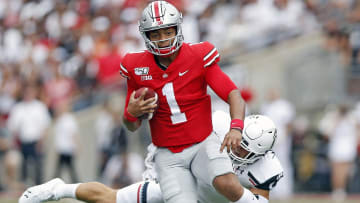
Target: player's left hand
232	140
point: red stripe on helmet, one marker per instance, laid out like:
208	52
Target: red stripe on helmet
157	12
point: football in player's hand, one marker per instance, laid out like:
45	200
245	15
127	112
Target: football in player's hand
149	94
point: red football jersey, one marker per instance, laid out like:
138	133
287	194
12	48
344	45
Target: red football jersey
183	116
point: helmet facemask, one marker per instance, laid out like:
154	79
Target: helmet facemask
175	43
243	156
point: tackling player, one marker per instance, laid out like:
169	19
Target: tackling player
256	166
181	128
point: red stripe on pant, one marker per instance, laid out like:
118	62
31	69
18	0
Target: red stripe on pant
138	194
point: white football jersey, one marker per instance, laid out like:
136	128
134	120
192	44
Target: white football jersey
263	174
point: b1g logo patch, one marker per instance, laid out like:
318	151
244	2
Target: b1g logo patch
141	70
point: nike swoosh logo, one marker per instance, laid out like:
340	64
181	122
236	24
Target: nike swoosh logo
183	73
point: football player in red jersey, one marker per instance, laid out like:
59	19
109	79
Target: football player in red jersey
181	128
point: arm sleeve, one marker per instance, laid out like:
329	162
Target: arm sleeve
123	71
210	54
219	81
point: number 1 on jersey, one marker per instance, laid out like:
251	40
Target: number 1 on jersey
176	115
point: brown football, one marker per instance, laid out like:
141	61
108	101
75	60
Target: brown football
149	94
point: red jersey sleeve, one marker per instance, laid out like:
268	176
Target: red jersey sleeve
210	54
123	68
214	76
219	81
207	52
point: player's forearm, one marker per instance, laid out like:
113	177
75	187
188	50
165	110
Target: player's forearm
237	105
132	126
264	193
131	122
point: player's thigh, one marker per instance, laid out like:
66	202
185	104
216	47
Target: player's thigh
176	180
209	162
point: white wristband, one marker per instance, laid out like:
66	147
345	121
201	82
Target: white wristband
247	197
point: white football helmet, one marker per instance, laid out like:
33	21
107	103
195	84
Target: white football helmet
258	137
157	15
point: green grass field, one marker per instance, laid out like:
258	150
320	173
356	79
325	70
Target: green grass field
297	199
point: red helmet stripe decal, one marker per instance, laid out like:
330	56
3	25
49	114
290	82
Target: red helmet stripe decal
157	11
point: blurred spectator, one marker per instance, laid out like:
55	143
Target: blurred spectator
104	124
262	22
12	160
9	156
108	67
3	148
123	167
357	114
190	25
9	90
309	157
58	90
282	113
67	143
333	16
86	84
28	123
221	15
9	160
339	126
247	94
354	36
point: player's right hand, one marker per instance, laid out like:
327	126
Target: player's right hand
138	106
231	140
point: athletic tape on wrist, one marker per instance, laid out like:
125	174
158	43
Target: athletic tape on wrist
129	117
247	197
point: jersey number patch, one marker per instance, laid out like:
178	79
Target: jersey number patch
176	115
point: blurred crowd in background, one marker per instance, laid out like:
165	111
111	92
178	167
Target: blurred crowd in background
59	57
